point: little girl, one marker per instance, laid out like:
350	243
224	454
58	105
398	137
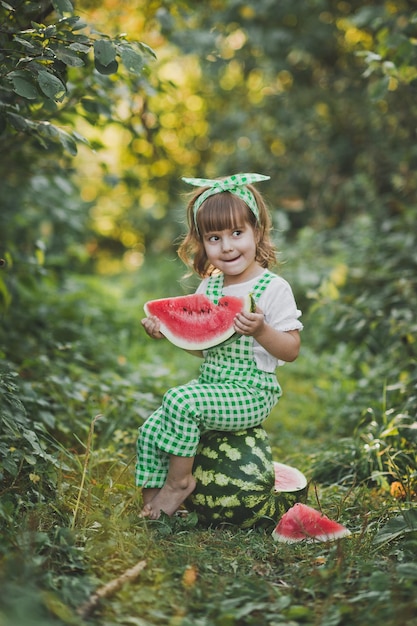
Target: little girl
228	245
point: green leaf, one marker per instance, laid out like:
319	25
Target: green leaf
378	89
104	52
47	130
74	21
9	464
23	87
147	49
51	86
111	68
407	571
31	437
63	6
23	42
49	31
397	527
67	142
132	60
79	47
68	56
19	122
52	133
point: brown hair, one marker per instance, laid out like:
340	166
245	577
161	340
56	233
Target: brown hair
222	211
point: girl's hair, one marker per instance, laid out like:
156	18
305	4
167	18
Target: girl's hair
223	211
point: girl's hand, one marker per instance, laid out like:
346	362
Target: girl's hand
151	325
283	345
250	324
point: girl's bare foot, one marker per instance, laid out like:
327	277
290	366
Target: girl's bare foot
168	499
146	511
148	494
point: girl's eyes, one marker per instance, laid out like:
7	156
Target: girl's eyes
235	233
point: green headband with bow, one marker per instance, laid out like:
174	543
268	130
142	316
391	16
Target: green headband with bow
236	184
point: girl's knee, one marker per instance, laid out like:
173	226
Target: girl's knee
150	427
175	397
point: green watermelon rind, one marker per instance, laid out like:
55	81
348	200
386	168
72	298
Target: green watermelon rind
236	336
231	490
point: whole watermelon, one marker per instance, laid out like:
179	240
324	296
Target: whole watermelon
236	480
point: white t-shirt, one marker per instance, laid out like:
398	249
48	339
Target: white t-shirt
279	308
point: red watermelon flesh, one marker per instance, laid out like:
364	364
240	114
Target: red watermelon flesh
195	322
303	522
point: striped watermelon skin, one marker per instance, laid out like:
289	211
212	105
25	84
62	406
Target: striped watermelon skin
236	479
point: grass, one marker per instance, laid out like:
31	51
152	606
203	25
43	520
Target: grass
221	577
230	577
194	576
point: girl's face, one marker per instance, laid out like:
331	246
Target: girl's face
233	252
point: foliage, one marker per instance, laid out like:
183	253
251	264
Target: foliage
321	96
55	76
185	582
41	48
369	307
392	58
305	106
25	461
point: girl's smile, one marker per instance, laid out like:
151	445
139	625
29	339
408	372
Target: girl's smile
233	252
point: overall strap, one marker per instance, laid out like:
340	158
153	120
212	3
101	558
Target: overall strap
262	284
215	287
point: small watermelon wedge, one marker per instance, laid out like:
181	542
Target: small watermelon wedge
195	322
302	522
288	478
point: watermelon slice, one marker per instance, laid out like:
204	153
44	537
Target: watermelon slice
194	322
303	522
288	478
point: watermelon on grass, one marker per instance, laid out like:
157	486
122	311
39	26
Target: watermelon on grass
236	480
195	322
302	522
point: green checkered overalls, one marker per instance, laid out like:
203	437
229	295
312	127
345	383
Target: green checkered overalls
231	393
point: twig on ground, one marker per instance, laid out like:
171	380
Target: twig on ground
109	589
